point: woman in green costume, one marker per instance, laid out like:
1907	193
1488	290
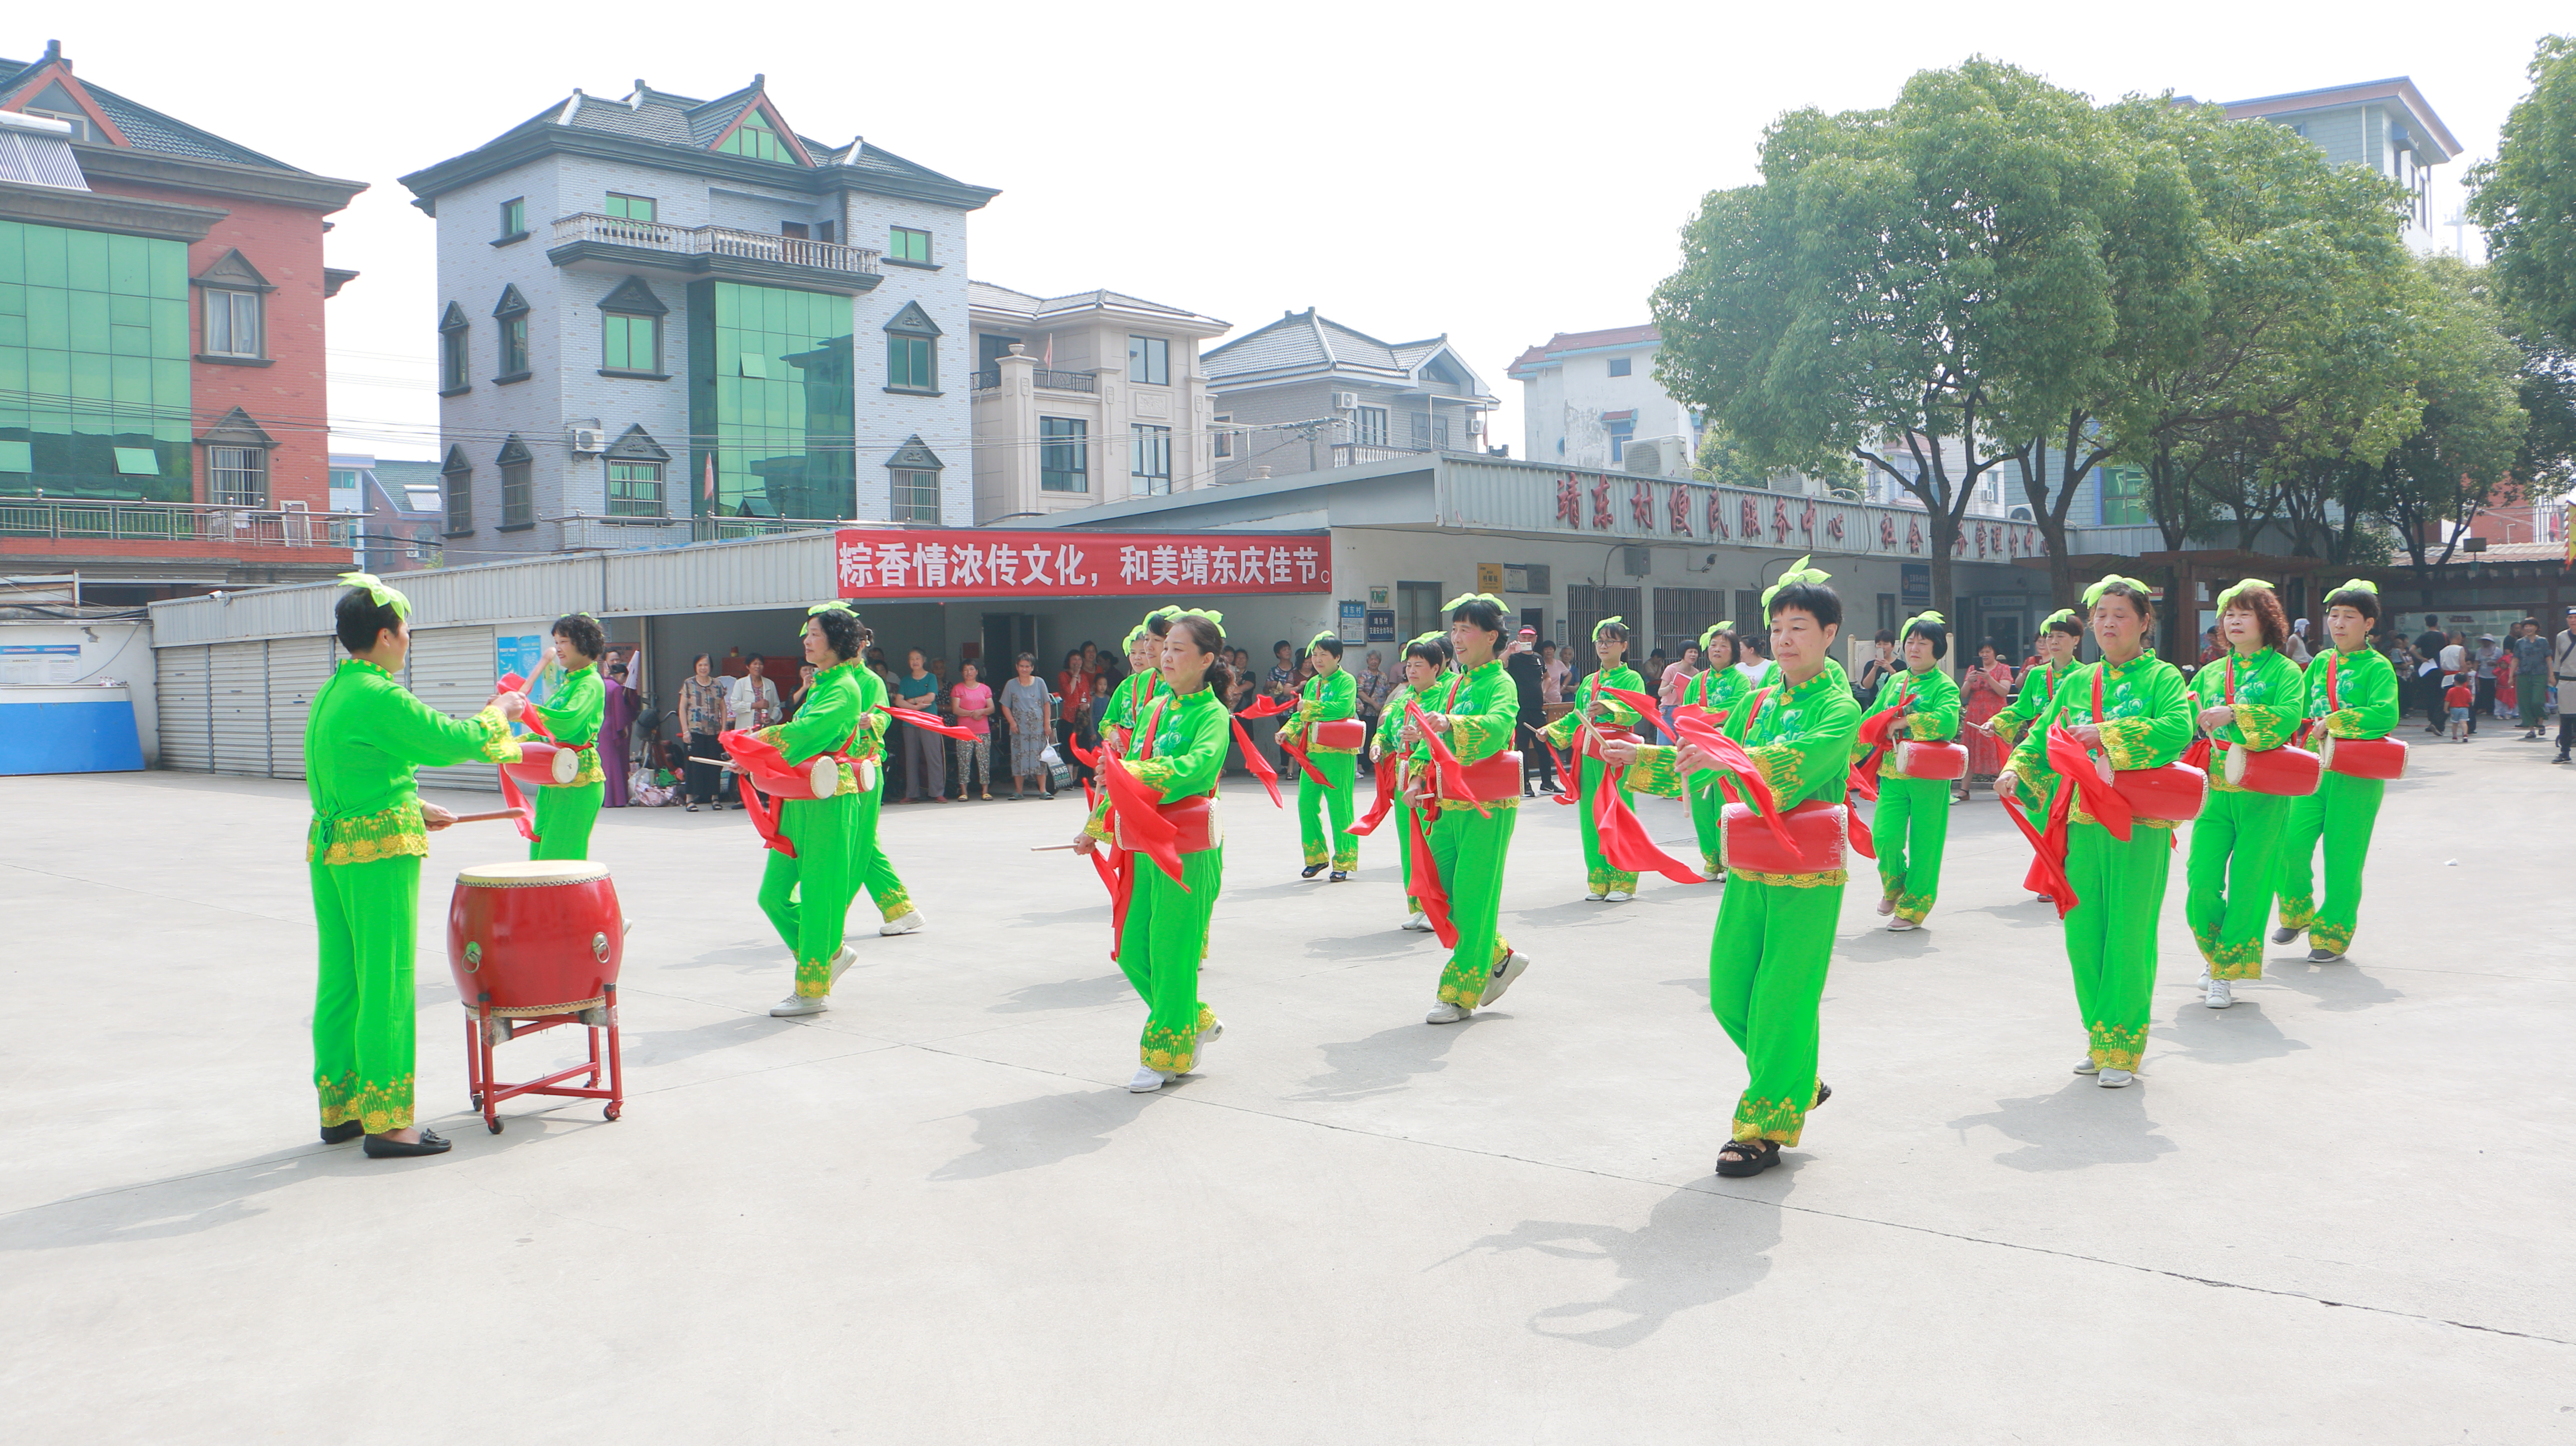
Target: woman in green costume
1913	818
2352	693
1721	688
1580	730
1472	714
566	811
2059	637
370	830
1328	697
1144	675
2254	699
2132	710
1426	658
1775	932
807	895
1178	749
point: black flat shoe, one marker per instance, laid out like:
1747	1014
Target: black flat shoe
1747	1157
1824	1092
1310	871
1338	877
381	1148
344	1132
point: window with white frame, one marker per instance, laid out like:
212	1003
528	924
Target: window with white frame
1368	426
1224	437
916	495
233	323
634	489
1149	360
237	476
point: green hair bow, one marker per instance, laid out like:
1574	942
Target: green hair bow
836	605
1612	621
2062	615
2094	593
1211	614
1137	634
385	597
1327	635
1167	610
1710	636
1801	573
1434	636
2360	584
2246	585
1925	616
1464	598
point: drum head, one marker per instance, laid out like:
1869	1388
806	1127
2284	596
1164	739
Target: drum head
2325	750
567	765
824	777
2236	764
531	873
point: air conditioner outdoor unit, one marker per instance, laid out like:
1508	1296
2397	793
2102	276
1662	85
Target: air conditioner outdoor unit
589	440
1658	456
1345	401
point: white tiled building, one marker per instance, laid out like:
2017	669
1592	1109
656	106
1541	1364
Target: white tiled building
1587	395
663	318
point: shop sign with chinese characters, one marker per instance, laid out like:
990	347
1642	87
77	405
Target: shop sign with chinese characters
1078	564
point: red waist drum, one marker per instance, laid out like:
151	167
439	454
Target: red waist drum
2363	757
539	936
818	777
2171	794
1816	832
1342	735
1931	760
544	765
2285	771
1589	740
1196	826
1489	780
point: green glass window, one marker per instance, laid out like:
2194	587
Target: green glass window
631	208
514	217
1064	454
758	139
911	363
770	401
2124	497
634	489
903	243
514	346
95	336
631	343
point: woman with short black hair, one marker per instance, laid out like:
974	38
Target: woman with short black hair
566	812
2255	700
1912	824
1596	718
1324	814
2352	695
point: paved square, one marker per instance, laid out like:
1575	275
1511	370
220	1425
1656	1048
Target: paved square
2337	1211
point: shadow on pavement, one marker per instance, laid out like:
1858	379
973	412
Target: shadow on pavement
2077	1126
1046	1130
2239	1034
1384	1062
2027	914
1696	1248
224	1195
2337	988
1390	943
1063	994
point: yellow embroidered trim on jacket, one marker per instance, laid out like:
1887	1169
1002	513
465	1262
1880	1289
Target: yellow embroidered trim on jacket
1460	805
1780	764
2124	741
1654	770
1824	879
1319	749
2264	727
498	745
392	833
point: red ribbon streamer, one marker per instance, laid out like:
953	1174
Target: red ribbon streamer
1873	732
2077	767
1425	886
1624	841
528	718
1387	768
510	795
1132	811
2048	857
929	721
758	756
1253	760
1293	751
1452	778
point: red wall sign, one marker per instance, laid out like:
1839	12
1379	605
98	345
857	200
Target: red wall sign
1078	564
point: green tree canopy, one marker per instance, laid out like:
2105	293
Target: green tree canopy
2525	198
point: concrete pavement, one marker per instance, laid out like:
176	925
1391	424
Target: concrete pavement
2334	1212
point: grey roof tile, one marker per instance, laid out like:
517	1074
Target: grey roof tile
150	130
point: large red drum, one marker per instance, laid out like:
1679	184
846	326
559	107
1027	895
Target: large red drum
2381	758
2174	793
2285	772
538	936
1816	827
1931	761
1341	734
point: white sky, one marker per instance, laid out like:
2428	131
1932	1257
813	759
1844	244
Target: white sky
1497	173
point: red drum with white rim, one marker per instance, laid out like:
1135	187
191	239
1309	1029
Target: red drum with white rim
1931	761
2175	793
2381	758
2284	772
535	937
1816	828
544	765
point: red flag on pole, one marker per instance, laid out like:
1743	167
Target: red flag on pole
711	477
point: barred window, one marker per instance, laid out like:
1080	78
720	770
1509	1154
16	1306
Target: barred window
237	476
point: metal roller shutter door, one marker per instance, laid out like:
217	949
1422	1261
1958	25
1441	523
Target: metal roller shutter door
239	699
179	683
297	669
451	670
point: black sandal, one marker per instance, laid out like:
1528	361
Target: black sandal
343	1132
1310	871
1824	1092
429	1143
1740	1158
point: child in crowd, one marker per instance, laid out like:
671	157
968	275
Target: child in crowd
2461	698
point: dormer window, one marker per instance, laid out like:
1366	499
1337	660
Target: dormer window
82	130
757	139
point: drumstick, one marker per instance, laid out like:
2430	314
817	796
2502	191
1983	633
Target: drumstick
485	817
1053	848
716	762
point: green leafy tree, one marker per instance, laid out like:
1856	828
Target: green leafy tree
2525	198
1903	286
2437	479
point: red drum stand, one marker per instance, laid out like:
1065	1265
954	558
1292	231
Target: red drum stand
534	945
484	1029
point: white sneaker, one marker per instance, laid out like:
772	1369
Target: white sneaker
2203	981
797	1004
1147	1081
841	965
2116	1079
1887	906
1198	1049
1620	896
1445	1013
1595	898
1420	923
2221	994
1505	975
910	922
1710	874
1899	924
2324	956
2087	1066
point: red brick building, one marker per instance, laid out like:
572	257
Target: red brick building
164	419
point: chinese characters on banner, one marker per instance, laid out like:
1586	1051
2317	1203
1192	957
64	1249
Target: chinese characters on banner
1819	525
1077	564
